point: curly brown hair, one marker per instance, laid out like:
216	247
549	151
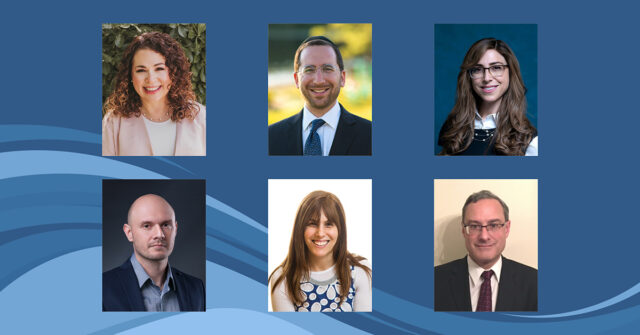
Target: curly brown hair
514	130
125	101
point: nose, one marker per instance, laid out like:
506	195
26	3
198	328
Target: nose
318	77
158	232
486	75
484	234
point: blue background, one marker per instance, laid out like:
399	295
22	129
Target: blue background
452	41
51	168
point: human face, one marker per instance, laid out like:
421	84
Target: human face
485	248
321	237
150	76
319	86
489	88
151	228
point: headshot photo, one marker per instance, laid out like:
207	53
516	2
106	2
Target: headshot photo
486	91
320	79
153	245
486	245
154	90
314	265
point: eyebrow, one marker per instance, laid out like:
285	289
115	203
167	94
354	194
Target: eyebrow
157	64
478	222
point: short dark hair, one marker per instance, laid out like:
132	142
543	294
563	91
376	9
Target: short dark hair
484	194
317	40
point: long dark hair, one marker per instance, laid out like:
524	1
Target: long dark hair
296	266
514	130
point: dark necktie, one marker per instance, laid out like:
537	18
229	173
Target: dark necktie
484	300
312	144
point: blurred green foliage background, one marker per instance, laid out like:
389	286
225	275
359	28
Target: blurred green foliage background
354	41
191	36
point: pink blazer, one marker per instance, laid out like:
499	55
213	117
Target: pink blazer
128	136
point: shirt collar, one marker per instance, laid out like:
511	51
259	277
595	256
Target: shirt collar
475	270
330	118
489	122
142	275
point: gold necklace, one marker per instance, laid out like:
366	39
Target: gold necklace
148	116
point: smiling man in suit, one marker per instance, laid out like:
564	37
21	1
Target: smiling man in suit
146	281
484	280
323	127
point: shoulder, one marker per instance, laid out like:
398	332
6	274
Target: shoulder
110	118
201	115
359	274
187	279
519	269
451	267
117	274
354	119
286	124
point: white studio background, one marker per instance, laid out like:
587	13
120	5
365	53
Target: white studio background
285	196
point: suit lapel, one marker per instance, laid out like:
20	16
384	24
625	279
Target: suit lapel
130	288
460	286
344	133
294	143
506	287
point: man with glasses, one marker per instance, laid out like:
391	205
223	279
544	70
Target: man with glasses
484	280
323	127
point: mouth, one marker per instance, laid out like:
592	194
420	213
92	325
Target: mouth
319	91
320	243
484	246
489	89
158	246
151	89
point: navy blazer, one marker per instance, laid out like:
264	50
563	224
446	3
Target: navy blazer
353	136
517	290
120	290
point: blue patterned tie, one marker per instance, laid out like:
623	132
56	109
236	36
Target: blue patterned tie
312	144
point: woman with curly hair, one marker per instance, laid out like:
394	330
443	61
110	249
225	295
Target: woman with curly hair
319	274
153	110
489	116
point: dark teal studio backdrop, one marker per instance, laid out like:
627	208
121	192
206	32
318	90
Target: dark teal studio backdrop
51	168
452	41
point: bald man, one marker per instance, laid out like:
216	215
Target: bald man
146	281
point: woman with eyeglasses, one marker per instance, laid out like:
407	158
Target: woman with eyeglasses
319	274
153	110
489	115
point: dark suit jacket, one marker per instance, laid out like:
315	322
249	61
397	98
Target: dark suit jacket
353	136
517	291
120	290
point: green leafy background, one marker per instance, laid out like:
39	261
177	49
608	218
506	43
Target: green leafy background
191	36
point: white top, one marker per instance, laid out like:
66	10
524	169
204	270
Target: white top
490	122
326	132
162	136
475	282
362	301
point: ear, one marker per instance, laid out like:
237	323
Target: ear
127	232
507	226
296	79
343	75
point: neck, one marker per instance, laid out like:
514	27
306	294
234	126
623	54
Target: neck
156	110
157	270
488	108
321	264
320	112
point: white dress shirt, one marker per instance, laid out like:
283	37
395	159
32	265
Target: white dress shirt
490	122
326	132
475	282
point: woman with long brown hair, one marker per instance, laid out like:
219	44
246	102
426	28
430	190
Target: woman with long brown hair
319	274
489	115
153	110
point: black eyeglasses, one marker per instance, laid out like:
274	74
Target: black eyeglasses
475	229
496	70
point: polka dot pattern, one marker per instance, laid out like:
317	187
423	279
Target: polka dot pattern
326	298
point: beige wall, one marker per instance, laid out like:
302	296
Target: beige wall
521	195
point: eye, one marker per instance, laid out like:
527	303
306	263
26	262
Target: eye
475	70
309	70
140	70
475	227
160	69
497	68
328	69
146	226
329	224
